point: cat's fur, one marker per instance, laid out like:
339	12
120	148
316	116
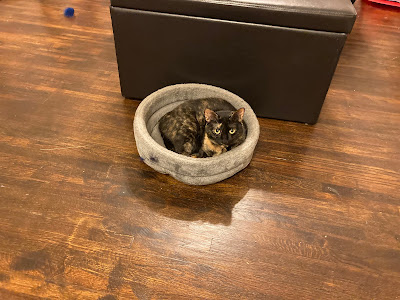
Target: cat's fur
203	128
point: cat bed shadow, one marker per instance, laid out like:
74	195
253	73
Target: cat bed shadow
195	171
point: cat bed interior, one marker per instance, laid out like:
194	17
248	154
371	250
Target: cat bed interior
195	171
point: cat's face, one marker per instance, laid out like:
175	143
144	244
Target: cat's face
225	128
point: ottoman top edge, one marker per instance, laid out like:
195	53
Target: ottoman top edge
322	15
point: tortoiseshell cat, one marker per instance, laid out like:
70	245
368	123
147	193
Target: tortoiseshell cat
203	128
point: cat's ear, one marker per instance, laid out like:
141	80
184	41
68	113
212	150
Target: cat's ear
210	115
238	115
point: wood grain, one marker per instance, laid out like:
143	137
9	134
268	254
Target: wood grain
314	216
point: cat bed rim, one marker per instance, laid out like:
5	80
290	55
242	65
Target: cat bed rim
150	105
142	123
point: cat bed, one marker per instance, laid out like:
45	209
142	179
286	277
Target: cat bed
195	171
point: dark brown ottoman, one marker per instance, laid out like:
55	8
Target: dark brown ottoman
278	55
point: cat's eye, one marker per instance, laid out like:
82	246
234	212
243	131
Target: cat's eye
232	131
217	131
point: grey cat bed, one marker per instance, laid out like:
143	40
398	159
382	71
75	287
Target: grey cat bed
196	171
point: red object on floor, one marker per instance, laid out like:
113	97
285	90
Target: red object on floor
392	3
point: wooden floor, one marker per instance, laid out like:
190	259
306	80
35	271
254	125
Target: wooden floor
316	215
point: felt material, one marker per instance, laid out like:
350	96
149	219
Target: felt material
69	12
195	171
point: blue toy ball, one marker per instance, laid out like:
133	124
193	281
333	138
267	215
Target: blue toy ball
69	12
